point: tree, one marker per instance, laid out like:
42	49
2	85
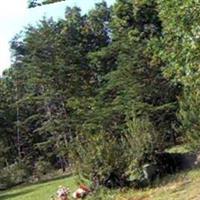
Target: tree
132	81
180	50
50	70
95	91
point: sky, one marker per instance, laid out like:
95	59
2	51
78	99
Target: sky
14	16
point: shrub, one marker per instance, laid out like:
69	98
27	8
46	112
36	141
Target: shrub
115	161
142	140
14	174
41	168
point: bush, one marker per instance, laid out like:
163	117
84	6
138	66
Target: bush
101	160
41	168
142	140
14	174
115	161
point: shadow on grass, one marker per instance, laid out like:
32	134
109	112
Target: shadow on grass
51	179
15	194
41	182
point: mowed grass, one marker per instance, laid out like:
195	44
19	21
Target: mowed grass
40	191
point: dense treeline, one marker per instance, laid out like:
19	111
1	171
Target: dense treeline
101	93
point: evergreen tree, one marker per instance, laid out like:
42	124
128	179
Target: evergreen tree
100	91
133	81
50	72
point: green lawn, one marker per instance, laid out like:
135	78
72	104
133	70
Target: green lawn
40	191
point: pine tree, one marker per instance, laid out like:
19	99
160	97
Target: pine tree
132	82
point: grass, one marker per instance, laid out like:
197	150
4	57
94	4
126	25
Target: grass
183	186
40	191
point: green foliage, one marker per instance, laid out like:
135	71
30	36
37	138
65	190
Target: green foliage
190	115
88	91
142	140
41	168
101	157
181	53
14	174
46	84
135	80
